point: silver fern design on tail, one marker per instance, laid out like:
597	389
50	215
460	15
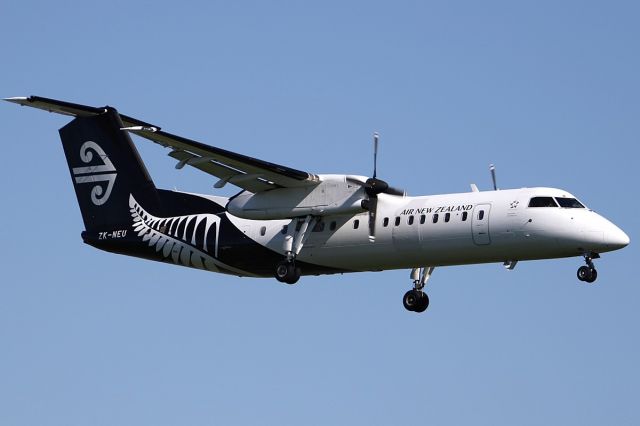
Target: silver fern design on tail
186	240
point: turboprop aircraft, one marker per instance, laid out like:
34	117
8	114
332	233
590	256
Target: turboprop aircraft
285	223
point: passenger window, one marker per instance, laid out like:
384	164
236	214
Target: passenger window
422	219
397	220
542	202
263	230
481	215
285	228
447	216
319	227
356	223
464	216
332	225
385	222
410	220
435	218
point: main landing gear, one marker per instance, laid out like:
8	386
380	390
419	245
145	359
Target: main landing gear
416	300
588	273
297	234
287	272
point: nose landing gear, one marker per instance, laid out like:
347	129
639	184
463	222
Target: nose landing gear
588	273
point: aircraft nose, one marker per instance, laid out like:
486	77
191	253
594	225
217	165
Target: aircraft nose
615	238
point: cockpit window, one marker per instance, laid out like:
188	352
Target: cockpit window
542	202
569	203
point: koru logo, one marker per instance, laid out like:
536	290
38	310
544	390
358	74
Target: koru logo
104	172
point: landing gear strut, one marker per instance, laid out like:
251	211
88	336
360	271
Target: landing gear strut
416	300
588	273
287	271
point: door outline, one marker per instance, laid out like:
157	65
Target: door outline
480	227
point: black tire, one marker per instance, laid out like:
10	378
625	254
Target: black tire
411	300
584	273
423	303
593	275
293	274
282	271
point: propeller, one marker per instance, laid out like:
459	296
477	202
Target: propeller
492	169
372	187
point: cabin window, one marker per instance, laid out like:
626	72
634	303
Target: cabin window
285	228
435	218
319	227
481	215
332	225
356	223
385	221
397	221
422	219
542	202
464	216
410	221
263	230
569	203
447	216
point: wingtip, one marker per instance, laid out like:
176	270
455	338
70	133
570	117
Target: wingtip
17	99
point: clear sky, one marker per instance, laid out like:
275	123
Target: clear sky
549	91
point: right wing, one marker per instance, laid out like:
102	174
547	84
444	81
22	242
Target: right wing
248	173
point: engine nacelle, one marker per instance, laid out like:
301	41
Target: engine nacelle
334	195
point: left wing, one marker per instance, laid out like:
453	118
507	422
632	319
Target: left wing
248	173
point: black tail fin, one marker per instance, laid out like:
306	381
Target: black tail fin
105	169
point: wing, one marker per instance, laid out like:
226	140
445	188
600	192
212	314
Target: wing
248	173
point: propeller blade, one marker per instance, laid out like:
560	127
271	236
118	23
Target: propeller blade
373	207
492	169
394	191
375	154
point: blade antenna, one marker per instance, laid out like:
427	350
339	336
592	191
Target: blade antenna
375	154
492	169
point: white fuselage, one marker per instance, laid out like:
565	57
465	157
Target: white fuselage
472	227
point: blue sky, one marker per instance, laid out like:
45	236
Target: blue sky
548	91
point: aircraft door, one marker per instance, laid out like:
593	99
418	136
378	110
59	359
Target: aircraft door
480	224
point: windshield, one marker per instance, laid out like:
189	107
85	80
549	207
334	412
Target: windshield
542	202
569	203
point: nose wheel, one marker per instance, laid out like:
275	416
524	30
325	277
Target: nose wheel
588	273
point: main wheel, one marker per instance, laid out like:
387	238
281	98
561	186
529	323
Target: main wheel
282	271
423	303
584	273
287	272
294	274
413	300
593	275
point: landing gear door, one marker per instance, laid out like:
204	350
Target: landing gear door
480	224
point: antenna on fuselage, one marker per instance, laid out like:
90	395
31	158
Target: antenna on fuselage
492	169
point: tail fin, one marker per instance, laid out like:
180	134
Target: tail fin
105	169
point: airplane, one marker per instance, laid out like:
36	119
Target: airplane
286	223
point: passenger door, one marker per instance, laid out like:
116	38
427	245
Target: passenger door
480	224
